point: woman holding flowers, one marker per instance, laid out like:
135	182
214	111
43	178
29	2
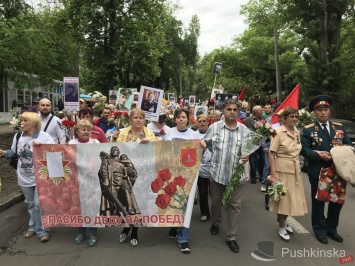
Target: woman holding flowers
285	172
139	133
82	135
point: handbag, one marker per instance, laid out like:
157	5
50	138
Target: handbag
331	187
344	161
14	160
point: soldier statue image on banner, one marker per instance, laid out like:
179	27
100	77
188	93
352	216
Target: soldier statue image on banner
117	177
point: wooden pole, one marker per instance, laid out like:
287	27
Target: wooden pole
215	78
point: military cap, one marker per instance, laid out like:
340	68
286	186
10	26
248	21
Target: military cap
36	100
126	92
320	101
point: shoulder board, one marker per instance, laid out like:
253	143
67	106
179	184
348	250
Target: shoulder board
337	123
310	125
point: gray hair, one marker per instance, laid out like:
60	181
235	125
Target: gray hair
255	108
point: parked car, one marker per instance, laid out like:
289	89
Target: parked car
350	130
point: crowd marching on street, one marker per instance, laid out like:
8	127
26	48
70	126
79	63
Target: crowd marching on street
223	128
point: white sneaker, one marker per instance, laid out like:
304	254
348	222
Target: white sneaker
263	189
204	218
289	229
283	234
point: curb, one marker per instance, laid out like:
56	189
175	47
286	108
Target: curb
11	199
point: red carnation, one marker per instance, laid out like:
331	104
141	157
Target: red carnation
170	188
126	114
212	100
117	113
162	201
180	181
156	185
164	174
162	132
330	172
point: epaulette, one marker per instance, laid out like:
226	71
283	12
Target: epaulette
337	123
310	125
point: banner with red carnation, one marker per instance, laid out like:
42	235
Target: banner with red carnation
117	184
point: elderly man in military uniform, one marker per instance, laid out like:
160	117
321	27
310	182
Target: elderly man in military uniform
123	98
150	105
317	140
117	176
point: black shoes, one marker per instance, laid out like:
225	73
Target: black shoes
214	230
173	233
335	237
322	239
253	181
233	246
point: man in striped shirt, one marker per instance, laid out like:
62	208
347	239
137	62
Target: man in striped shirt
224	138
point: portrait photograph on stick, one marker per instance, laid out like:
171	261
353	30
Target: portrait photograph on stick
150	101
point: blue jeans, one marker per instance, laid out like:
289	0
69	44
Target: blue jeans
92	231
183	235
35	223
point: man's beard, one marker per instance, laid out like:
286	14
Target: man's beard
45	113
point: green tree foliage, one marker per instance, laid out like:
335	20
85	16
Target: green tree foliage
320	23
123	41
316	48
29	44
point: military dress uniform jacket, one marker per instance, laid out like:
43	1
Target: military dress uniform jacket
315	138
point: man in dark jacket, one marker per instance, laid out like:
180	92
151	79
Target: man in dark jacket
317	140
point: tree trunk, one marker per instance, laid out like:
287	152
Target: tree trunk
324	38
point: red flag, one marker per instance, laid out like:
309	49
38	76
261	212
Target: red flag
242	93
291	100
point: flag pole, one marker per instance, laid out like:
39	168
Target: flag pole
215	78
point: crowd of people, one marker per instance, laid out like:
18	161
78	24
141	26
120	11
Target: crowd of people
222	133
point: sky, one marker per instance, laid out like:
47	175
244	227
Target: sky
220	21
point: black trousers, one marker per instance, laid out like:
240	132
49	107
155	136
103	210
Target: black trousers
256	161
321	225
202	184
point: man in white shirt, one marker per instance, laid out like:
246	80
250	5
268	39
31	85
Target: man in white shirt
51	124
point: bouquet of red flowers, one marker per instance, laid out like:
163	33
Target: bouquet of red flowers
173	193
69	129
121	119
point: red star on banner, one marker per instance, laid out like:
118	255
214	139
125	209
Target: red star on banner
44	170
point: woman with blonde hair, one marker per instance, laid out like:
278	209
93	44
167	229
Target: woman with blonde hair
136	131
82	135
139	133
31	135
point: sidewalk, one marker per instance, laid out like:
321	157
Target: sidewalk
7	201
5	128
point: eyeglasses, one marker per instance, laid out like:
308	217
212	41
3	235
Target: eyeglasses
232	109
294	116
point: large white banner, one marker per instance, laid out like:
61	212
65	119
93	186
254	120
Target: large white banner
117	184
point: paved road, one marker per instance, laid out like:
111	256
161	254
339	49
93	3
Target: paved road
255	225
